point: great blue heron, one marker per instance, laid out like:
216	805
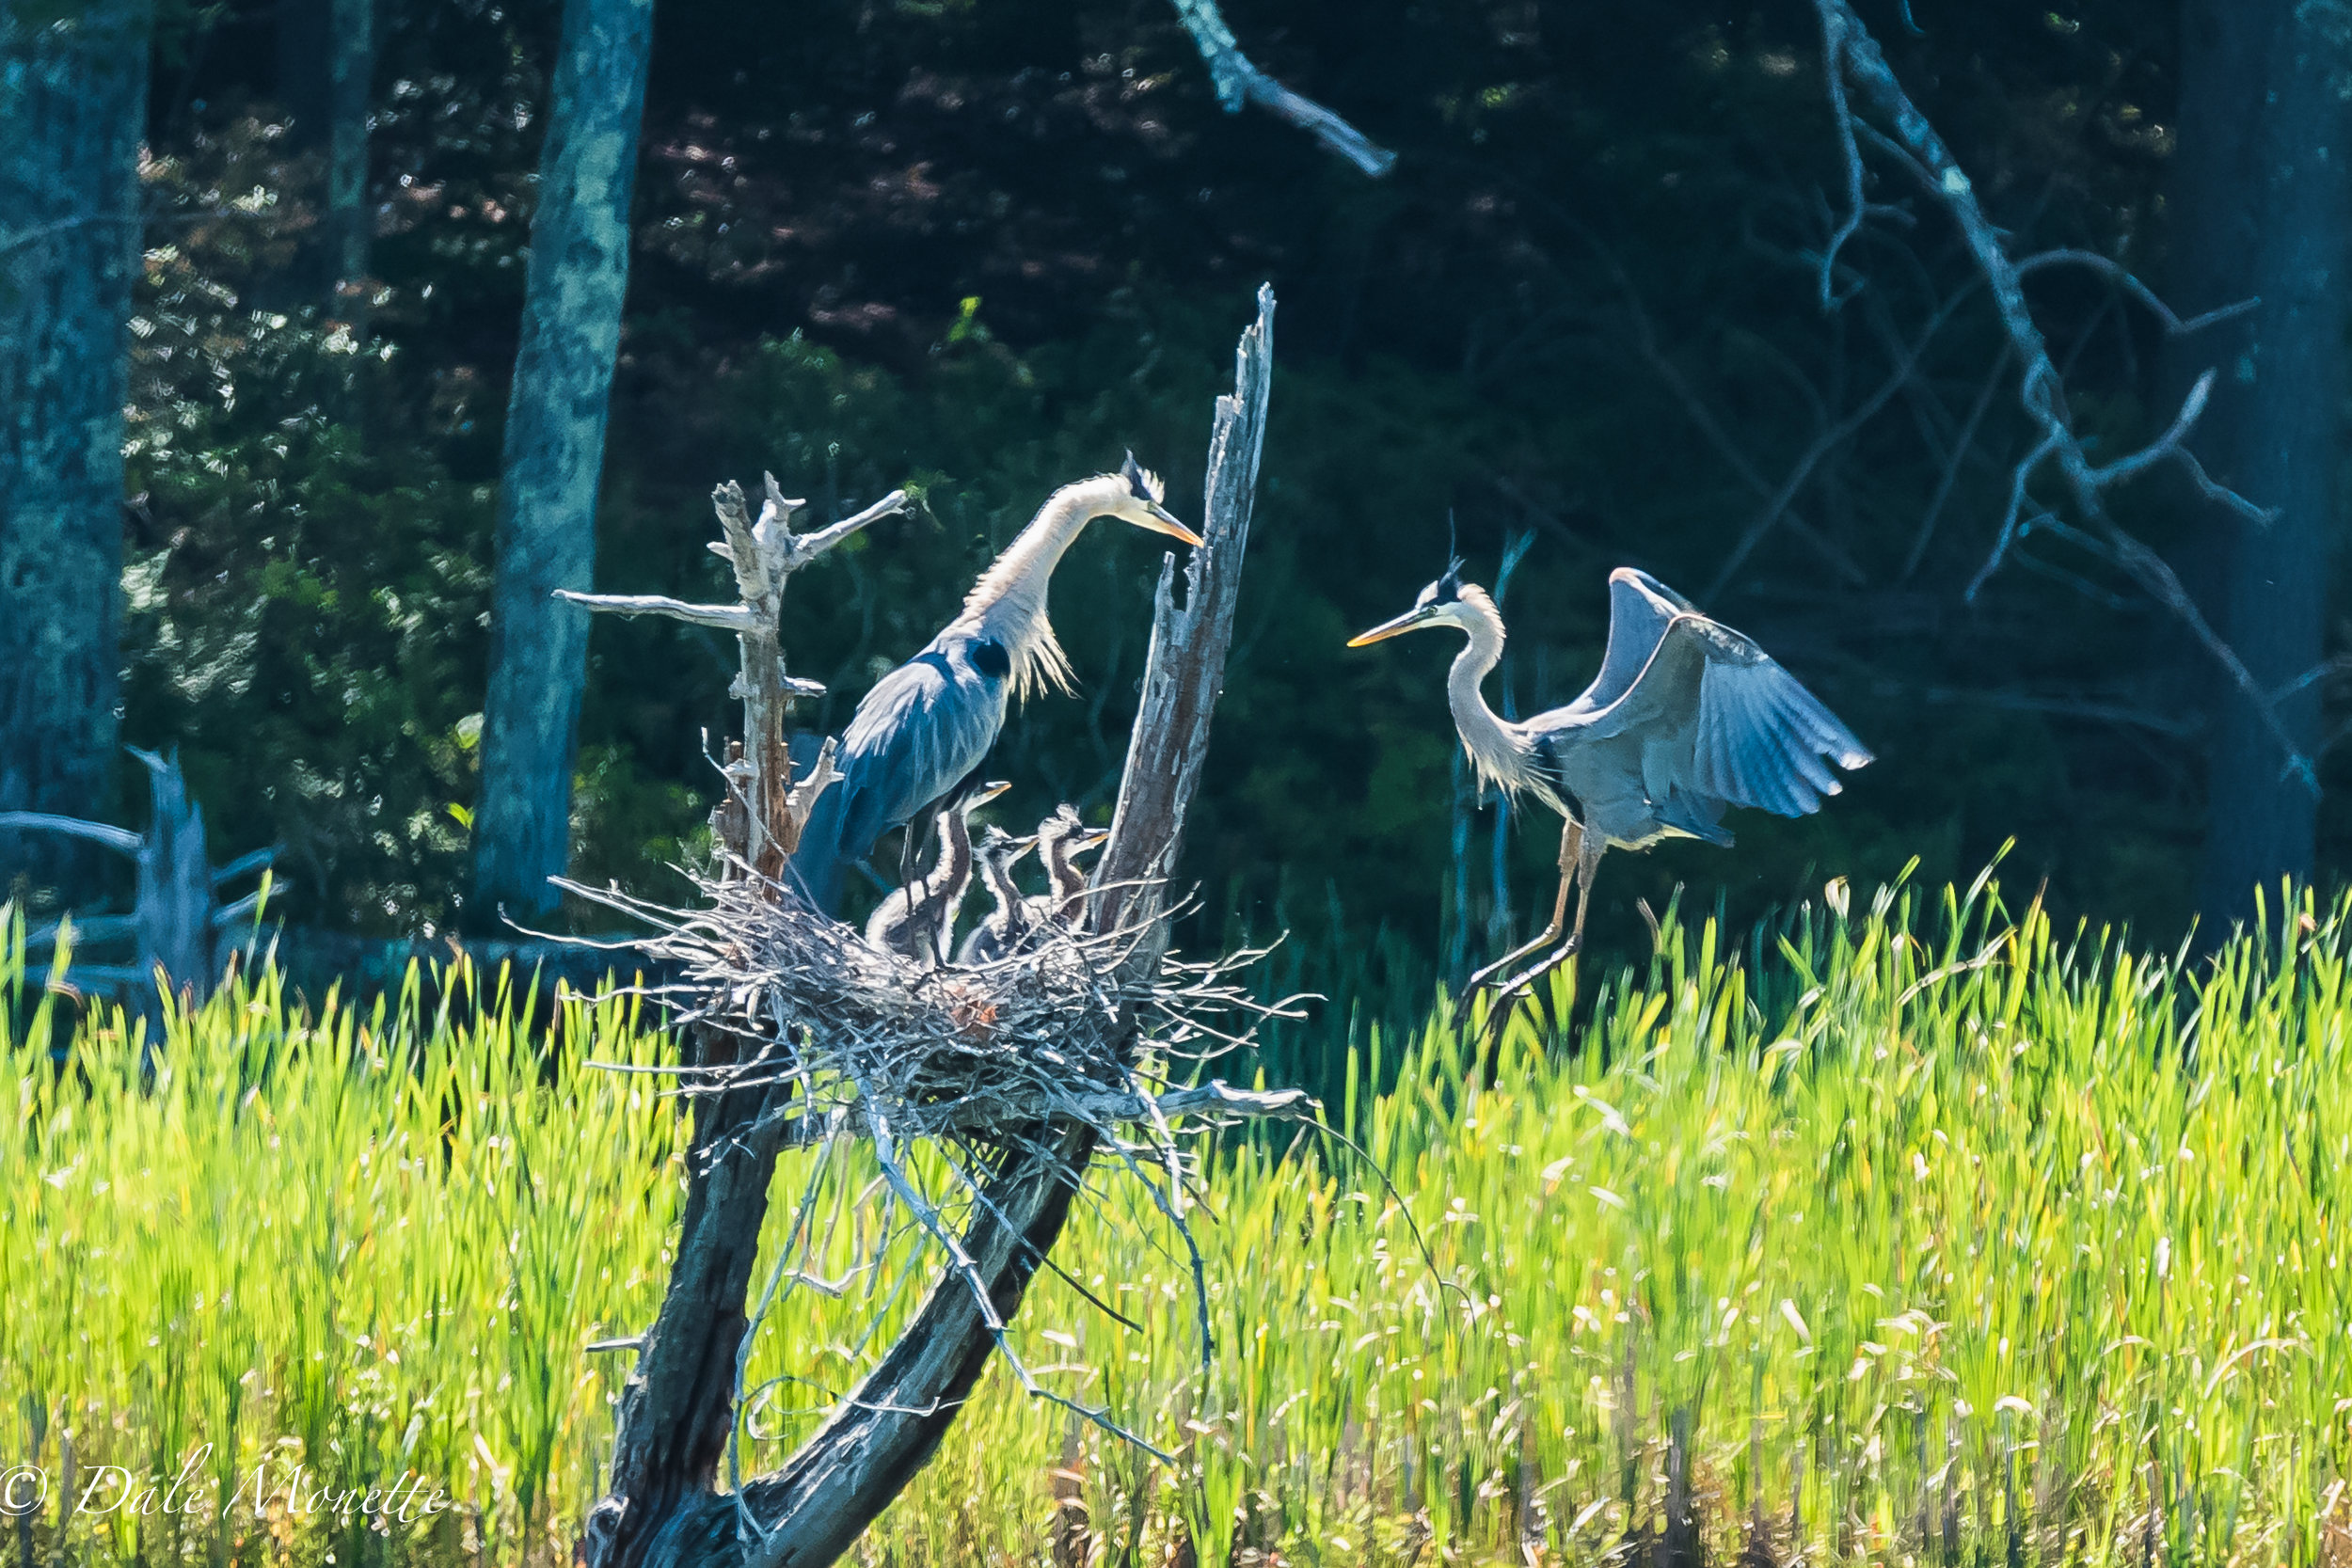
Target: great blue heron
1686	717
1008	922
927	724
918	919
1061	838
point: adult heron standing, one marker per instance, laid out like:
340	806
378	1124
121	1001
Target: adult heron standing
918	919
927	725
1687	716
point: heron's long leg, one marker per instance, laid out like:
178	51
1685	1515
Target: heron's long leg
1587	861
1571	850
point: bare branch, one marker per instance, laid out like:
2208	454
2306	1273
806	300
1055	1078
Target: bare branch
726	617
1828	439
121	840
1833	54
808	546
1700	415
1240	82
2041	389
2124	278
1961	445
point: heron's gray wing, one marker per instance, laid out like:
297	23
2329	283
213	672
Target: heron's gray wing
921	727
1762	739
920	731
1756	737
1640	610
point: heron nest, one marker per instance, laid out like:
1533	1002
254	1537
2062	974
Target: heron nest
1079	1026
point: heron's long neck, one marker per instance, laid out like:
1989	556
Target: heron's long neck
1066	880
1001	888
953	873
1499	751
1008	603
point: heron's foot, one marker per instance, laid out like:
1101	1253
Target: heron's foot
1523	982
1484	977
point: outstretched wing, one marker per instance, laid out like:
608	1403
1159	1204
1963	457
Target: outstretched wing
1756	737
1762	738
1640	610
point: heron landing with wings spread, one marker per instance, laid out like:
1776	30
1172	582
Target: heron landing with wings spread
1687	716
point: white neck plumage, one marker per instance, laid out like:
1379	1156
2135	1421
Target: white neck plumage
1008	603
1001	887
1500	752
954	870
1066	879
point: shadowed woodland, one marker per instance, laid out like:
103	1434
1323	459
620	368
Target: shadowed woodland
976	250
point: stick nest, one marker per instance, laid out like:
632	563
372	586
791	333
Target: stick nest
1078	1026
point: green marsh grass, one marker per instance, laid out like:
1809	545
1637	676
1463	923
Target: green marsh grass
1915	1232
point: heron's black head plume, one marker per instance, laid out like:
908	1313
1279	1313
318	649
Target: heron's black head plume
1449	587
1141	481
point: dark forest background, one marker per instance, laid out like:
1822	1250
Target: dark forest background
982	248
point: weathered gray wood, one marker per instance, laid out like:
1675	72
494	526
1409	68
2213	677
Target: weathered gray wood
554	455
175	906
1184	673
764	554
763	828
179	928
663	1508
725	617
73	110
1239	82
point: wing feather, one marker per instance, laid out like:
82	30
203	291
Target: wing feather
1640	610
1762	738
1757	737
922	728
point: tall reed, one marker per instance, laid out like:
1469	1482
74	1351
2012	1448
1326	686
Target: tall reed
1914	1231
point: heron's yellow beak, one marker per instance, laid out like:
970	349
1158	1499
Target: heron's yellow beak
1411	620
1093	838
986	793
1023	845
1158	520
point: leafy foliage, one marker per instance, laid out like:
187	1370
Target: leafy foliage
1003	243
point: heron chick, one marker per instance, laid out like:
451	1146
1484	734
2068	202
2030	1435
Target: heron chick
918	919
929	723
1061	838
1000	934
1687	716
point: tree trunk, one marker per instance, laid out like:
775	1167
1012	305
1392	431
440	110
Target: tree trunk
350	225
555	421
325	65
663	1510
72	113
2260	208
